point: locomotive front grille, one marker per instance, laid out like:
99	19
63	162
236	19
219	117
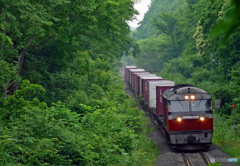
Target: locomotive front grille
191	138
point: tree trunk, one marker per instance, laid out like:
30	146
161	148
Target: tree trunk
22	54
21	60
173	39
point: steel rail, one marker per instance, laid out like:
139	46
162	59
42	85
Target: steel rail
205	157
186	159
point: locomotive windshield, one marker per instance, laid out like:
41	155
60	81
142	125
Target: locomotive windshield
189	105
179	106
201	105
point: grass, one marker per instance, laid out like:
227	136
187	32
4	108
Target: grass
224	137
148	146
232	148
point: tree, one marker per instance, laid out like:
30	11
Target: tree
45	35
167	25
230	23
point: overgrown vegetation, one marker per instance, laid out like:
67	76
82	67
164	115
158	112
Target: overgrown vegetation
196	43
99	125
63	102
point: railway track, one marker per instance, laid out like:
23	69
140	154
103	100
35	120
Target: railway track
196	159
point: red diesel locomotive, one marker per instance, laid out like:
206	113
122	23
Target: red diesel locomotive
187	117
183	111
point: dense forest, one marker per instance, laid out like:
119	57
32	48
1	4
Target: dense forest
63	102
195	42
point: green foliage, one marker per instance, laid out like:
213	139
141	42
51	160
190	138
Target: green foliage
75	110
43	37
33	133
127	60
36	134
30	91
146	29
230	23
224	131
156	50
200	74
225	95
215	164
181	65
96	125
232	148
167	24
9	76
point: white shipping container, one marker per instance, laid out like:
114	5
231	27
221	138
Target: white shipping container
151	90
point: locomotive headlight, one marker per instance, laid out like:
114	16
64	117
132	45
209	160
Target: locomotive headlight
186	97
179	119
192	97
202	118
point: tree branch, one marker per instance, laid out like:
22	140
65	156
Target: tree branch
21	59
22	54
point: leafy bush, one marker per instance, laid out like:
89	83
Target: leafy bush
8	73
97	125
32	133
200	74
30	91
224	131
226	96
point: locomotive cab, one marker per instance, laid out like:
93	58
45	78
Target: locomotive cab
187	117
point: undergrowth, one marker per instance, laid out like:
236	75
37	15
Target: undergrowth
85	119
226	137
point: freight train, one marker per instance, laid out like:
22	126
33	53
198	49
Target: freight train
183	112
